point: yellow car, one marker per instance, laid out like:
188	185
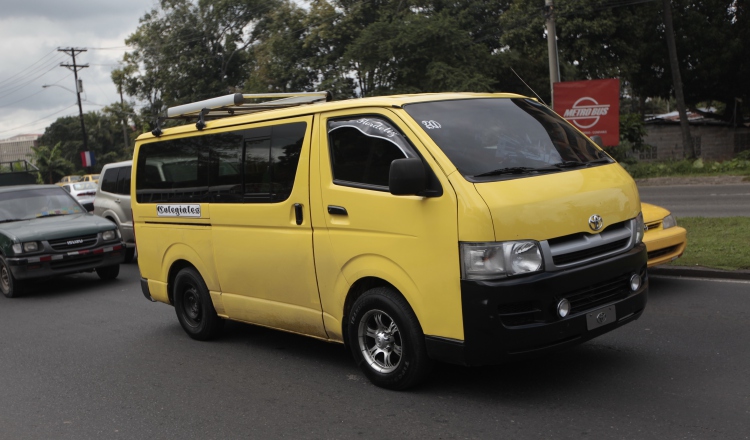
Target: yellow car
68	179
90	178
665	241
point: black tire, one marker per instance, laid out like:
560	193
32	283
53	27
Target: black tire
108	272
194	308
386	340
129	254
9	285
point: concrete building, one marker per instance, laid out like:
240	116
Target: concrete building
712	139
18	147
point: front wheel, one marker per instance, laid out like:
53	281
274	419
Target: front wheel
10	286
108	272
386	340
194	308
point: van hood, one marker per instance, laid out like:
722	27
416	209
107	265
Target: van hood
555	205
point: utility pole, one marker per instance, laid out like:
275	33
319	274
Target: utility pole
554	65
687	140
72	51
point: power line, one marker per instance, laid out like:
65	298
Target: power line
38	120
22	71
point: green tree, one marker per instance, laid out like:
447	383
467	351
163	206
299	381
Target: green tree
52	166
185	51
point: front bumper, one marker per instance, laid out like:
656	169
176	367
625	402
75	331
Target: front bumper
48	265
517	318
665	245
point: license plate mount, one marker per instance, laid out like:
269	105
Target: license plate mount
600	317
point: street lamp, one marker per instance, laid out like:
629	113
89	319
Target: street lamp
79	85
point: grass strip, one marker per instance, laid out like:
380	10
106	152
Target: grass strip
720	243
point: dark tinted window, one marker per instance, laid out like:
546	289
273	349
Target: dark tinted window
482	135
256	165
123	180
363	148
109	180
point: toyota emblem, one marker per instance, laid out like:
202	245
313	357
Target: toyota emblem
595	222
601	318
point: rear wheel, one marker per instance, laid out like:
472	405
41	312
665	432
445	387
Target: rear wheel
129	254
9	285
386	340
193	306
108	272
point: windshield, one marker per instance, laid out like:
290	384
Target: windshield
507	137
33	203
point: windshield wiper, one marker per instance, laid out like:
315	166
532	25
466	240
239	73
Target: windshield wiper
12	220
51	214
577	163
517	170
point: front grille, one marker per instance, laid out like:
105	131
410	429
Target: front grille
73	243
588	253
598	294
520	313
660	252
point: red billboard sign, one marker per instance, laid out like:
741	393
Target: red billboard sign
592	106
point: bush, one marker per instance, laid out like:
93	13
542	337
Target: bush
740	165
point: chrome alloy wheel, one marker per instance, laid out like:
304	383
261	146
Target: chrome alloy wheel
380	341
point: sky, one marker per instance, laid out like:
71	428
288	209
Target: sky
31	31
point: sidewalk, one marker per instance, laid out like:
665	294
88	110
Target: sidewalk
703	180
699	272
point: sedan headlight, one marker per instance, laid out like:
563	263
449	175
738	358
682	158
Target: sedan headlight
30	246
109	235
483	261
640	228
669	222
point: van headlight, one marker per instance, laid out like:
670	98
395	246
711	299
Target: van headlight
483	261
640	228
669	222
109	235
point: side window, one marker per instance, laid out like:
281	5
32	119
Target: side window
109	180
251	166
362	150
174	171
123	181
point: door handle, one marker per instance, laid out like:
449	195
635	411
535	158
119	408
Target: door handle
298	213
337	210
117	200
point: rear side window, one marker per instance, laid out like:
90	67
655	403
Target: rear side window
109	181
245	166
123	180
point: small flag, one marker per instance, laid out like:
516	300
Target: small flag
87	158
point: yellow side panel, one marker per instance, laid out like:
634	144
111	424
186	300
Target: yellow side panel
410	242
276	315
158	290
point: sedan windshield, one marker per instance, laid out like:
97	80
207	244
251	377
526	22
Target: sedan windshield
38	202
505	138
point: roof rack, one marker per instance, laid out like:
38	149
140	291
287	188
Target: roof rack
238	104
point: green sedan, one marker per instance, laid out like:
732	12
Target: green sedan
45	232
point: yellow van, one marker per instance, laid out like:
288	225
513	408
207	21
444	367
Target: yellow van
456	227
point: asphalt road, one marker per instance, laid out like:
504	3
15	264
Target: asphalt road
86	359
700	200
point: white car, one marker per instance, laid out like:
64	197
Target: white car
83	192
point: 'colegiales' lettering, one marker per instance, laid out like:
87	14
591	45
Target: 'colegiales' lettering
178	210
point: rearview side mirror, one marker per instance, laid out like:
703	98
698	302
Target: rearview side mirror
407	177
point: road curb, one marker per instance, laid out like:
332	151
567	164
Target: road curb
700	272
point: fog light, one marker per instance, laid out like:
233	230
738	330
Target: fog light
563	308
635	283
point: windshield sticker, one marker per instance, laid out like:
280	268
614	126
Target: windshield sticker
431	125
178	210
